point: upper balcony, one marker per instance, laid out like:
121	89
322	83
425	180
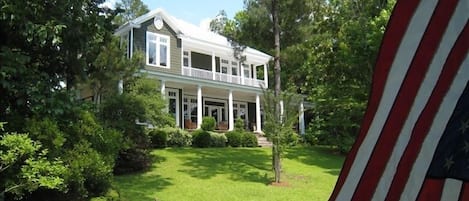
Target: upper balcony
212	67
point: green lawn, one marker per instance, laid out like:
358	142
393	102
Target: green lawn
242	174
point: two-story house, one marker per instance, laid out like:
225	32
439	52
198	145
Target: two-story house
197	71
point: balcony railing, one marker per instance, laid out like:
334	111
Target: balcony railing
209	75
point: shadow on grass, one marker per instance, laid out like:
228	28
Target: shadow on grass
240	164
142	186
317	156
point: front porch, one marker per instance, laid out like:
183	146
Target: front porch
189	104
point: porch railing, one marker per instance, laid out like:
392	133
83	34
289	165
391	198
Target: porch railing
209	75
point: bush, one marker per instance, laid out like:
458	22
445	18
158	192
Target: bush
239	124
208	124
159	138
234	138
217	139
249	139
201	138
132	160
179	138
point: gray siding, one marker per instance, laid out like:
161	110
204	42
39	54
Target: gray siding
175	45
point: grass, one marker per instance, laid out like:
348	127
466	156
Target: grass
232	174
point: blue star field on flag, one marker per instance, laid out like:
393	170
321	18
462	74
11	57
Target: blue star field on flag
451	159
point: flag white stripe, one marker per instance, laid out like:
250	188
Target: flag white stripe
425	156
451	190
402	60
455	26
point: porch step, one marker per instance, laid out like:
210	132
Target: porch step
262	141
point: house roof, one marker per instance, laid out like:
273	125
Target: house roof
188	31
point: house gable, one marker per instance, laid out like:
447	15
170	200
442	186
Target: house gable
140	42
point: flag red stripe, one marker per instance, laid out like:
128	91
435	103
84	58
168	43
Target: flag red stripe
389	46
464	195
450	69
404	100
431	190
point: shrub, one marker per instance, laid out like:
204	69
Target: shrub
132	160
208	124
239	124
201	138
179	138
158	137
248	139
217	139
234	138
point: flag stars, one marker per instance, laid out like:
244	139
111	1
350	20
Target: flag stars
449	162
466	147
464	126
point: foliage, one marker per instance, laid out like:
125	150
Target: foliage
159	138
208	124
132	160
111	66
281	114
339	66
24	166
201	138
239	124
50	47
234	138
312	174
217	139
248	139
139	104
238	138
178	137
131	9
89	174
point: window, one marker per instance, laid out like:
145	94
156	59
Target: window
224	66
247	71
157	50
234	68
186	58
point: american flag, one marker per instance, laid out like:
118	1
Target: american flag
414	139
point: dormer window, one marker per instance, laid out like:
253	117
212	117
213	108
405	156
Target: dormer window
157	51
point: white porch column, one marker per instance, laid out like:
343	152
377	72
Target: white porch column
301	119
266	76
241	68
230	111
199	106
258	114
213	65
163	88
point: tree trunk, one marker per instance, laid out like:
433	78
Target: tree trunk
276	143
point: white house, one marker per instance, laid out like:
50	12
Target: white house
197	71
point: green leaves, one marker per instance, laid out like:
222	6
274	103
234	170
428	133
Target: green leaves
24	167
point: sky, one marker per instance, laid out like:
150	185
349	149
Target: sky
197	12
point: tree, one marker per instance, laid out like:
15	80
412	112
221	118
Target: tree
111	66
279	123
339	66
130	9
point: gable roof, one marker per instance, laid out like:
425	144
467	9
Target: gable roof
185	30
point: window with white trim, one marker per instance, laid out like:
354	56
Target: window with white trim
157	51
186	58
